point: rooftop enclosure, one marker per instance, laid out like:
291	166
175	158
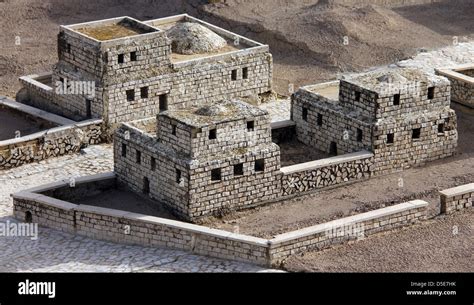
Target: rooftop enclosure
402	115
138	69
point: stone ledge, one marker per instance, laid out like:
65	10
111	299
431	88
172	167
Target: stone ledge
454	73
360	218
361	155
282	124
459	190
51	117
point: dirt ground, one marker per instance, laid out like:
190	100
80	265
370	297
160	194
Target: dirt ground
444	244
306	37
418	183
124	200
11	121
294	152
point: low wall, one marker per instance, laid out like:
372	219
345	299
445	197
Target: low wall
131	228
53	142
344	229
305	177
457	198
462	85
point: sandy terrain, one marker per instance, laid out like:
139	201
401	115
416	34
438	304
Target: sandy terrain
120	199
306	37
444	244
11	122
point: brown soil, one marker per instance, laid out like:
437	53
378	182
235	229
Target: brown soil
124	200
306	37
12	121
107	32
444	244
418	183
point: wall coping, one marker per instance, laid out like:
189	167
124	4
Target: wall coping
454	72
359	218
360	155
31	79
282	124
458	190
50	131
51	117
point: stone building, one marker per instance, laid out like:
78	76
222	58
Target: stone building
201	160
138	69
402	115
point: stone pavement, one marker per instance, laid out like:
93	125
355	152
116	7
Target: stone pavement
55	251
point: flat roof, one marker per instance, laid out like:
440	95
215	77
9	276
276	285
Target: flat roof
111	29
385	80
214	113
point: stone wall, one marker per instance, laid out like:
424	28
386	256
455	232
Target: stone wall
306	177
50	143
462	85
457	198
173	84
326	126
350	228
148	162
185	183
130	228
186	85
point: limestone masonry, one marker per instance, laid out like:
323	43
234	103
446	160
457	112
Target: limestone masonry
180	97
137	71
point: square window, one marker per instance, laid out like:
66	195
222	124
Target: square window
130	95
245	73
68	48
144	92
260	165
416	133
250	125
163	102
213	134
173	130
124	150
234	75
320	119
133	56
431	91
359	135
216	174
357	96
441	128
305	114
239	169
153	163
390	138
61	79
178	176
396	99
138	157
120	59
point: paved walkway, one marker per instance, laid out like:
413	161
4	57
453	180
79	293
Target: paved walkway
55	251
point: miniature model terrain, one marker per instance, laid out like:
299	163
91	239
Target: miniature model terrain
205	157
